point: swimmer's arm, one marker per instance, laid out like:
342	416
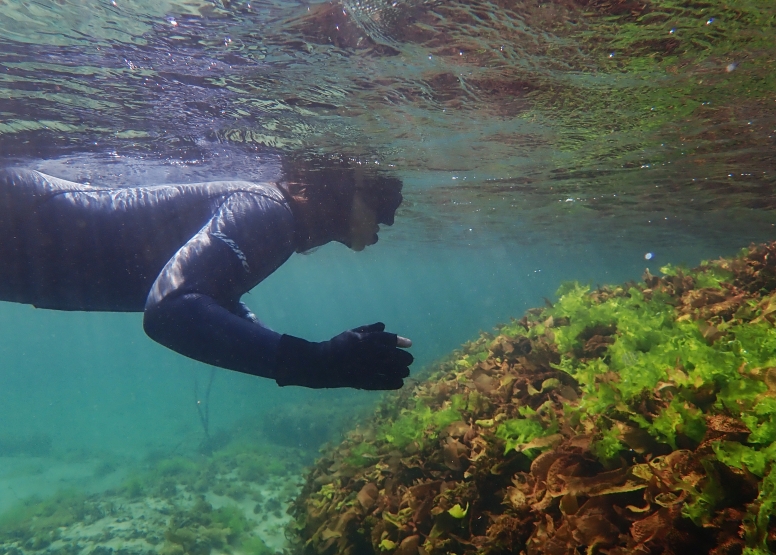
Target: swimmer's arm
197	326
183	312
243	311
193	307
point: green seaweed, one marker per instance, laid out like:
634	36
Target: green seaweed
419	423
252	467
134	487
651	346
361	454
703	503
607	446
756	461
253	545
520	431
37	521
232	518
456	511
202	528
177	467
766	509
653	401
712	276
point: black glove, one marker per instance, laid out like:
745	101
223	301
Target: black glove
362	358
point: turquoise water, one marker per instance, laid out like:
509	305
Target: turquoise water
538	142
94	384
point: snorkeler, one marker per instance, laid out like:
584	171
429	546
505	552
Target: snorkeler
185	254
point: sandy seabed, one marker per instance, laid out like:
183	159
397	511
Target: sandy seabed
119	523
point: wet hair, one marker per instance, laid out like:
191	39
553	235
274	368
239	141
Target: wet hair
321	193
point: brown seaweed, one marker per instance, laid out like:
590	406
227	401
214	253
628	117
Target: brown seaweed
503	449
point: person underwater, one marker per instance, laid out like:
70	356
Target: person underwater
185	254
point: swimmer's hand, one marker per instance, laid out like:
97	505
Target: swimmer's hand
367	357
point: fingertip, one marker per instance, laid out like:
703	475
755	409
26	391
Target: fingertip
405	358
398	384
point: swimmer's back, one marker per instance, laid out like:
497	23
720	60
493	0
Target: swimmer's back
70	246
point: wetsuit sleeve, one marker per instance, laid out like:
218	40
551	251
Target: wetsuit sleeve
194	305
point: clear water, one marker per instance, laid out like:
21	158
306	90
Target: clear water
538	142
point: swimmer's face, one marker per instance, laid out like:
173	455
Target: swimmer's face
363	224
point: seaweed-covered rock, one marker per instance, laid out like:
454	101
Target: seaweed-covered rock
631	419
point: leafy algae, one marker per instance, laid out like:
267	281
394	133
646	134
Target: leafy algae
631	419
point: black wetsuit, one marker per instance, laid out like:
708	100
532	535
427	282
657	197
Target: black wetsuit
184	254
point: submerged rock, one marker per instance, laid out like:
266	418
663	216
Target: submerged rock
631	419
